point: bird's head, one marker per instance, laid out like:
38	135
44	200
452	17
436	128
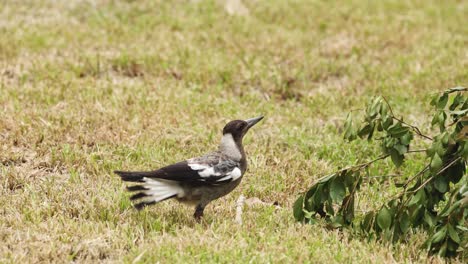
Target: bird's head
238	128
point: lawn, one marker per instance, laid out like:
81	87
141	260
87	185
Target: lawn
88	87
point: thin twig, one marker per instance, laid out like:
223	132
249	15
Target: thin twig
366	164
372	161
433	176
384	176
424	183
415	128
416	150
351	193
388	104
359	166
399	195
415	176
449	91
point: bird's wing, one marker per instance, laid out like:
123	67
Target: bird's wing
215	169
209	169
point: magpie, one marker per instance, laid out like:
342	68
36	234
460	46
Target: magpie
196	181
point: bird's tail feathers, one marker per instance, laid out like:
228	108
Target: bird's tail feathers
150	191
134	176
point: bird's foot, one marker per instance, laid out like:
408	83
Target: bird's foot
198	213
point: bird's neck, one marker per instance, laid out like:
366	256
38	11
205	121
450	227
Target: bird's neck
231	148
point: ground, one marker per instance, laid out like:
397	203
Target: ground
88	87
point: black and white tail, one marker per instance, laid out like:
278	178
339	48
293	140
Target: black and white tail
150	190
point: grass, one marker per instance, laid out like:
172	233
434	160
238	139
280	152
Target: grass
87	87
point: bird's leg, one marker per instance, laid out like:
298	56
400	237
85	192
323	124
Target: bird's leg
198	212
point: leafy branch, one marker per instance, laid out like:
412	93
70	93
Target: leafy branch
415	128
418	204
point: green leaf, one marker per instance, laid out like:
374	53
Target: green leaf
337	189
400	133
442	101
442	117
349	180
337	221
387	234
397	158
309	217
308	202
430	151
443	249
384	219
297	208
417	216
464	150
379	125
436	163
366	224
456	101
456	171
435	120
444	211
371	133
384	109
397	130
387	122
406	138
444	138
441	184
401	148
348	208
453	234
439	148
364	131
404	222
318	196
439	235
451	208
389	142
374	108
329	207
350	131
429	219
434	100
327	178
419	197
452	246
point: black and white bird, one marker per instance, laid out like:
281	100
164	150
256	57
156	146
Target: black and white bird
196	181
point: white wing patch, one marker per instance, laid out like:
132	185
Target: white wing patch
233	175
204	170
236	173
195	166
207	171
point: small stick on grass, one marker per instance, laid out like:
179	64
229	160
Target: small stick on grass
239	205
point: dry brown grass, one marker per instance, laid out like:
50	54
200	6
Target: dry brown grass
89	87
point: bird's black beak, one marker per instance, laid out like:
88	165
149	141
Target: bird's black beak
252	121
